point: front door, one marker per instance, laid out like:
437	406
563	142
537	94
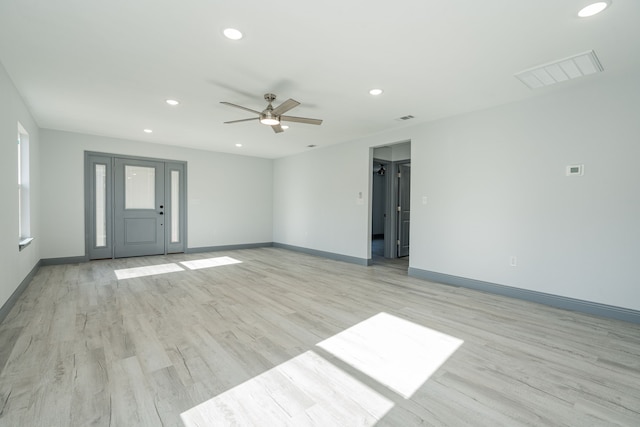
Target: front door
134	206
139	208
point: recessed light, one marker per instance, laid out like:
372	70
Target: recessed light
148	131
238	145
172	102
232	34
284	127
593	9
375	92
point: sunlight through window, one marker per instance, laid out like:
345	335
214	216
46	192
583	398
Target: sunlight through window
130	273
397	353
210	262
322	395
310	390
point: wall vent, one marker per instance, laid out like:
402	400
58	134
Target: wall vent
565	69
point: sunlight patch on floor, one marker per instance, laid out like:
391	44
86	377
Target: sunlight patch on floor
130	273
304	391
309	390
210	262
397	353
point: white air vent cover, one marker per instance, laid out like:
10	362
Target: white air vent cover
560	71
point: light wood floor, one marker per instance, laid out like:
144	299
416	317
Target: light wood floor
283	338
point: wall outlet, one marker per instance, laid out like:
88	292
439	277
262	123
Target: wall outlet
513	261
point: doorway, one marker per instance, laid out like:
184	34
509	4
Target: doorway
134	206
390	201
379	215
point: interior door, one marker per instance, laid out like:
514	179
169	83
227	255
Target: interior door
404	189
139	207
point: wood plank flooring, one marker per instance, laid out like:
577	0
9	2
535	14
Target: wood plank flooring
284	338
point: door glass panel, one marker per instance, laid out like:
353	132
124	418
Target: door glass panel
175	206
140	189
101	205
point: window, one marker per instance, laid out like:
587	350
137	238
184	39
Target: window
175	206
24	208
100	191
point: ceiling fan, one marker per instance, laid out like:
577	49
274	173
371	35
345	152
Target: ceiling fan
273	116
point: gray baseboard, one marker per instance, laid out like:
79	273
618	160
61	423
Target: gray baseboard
227	247
85	258
566	303
64	260
8	305
323	254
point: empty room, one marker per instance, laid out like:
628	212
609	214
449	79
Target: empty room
336	214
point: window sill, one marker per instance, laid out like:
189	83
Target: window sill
24	243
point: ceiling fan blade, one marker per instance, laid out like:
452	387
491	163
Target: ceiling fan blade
277	128
243	120
301	120
285	106
239	106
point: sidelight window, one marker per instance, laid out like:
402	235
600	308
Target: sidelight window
24	207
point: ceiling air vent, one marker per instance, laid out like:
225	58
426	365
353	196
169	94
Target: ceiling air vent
403	118
559	71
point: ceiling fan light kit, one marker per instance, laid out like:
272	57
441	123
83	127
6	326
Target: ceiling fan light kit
273	116
269	119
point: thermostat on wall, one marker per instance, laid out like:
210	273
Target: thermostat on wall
575	170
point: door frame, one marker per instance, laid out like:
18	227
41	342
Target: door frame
391	223
398	214
108	159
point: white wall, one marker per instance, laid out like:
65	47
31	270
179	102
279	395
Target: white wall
317	202
229	196
15	265
494	182
496	187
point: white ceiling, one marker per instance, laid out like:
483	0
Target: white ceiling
106	67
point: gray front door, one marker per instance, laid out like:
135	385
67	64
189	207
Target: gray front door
404	190
139	208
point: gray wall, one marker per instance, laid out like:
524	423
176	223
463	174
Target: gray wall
495	187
